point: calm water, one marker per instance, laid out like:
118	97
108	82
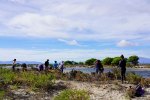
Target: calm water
144	72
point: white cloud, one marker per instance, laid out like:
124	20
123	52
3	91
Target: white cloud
72	42
125	43
106	19
65	54
18	1
47	26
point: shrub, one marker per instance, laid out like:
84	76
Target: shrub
90	61
36	80
107	61
73	95
145	82
7	75
115	61
2	94
133	78
116	72
29	78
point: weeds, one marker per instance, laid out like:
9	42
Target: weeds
2	94
133	78
73	95
31	79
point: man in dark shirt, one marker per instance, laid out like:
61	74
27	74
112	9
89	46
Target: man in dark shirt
122	65
46	64
99	67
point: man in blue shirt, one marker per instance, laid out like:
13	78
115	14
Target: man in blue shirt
55	65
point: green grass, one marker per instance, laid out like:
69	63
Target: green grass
2	94
73	95
28	78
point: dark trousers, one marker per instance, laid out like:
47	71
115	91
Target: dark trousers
13	68
62	70
99	71
123	72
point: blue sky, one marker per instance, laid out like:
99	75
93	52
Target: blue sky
34	30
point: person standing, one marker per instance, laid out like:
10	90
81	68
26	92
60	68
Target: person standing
62	66
46	64
122	65
14	64
55	65
99	67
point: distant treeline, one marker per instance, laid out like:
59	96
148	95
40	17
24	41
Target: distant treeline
108	61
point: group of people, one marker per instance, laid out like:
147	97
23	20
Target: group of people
98	66
55	66
46	66
122	65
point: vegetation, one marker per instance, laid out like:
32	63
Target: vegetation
115	61
73	95
107	61
2	94
90	61
133	78
68	62
134	60
34	80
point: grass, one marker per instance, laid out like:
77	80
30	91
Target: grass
73	95
133	78
2	94
35	80
29	78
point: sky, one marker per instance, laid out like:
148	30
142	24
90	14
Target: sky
36	30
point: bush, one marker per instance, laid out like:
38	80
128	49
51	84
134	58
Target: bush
73	95
133	78
107	61
7	75
90	61
115	61
29	78
145	82
116	72
2	94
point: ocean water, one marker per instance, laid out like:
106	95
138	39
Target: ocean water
144	72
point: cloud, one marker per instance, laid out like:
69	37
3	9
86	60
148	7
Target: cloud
65	54
71	19
47	26
18	1
72	42
125	43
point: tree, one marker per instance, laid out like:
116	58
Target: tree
134	60
68	62
115	61
81	63
107	61
90	61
